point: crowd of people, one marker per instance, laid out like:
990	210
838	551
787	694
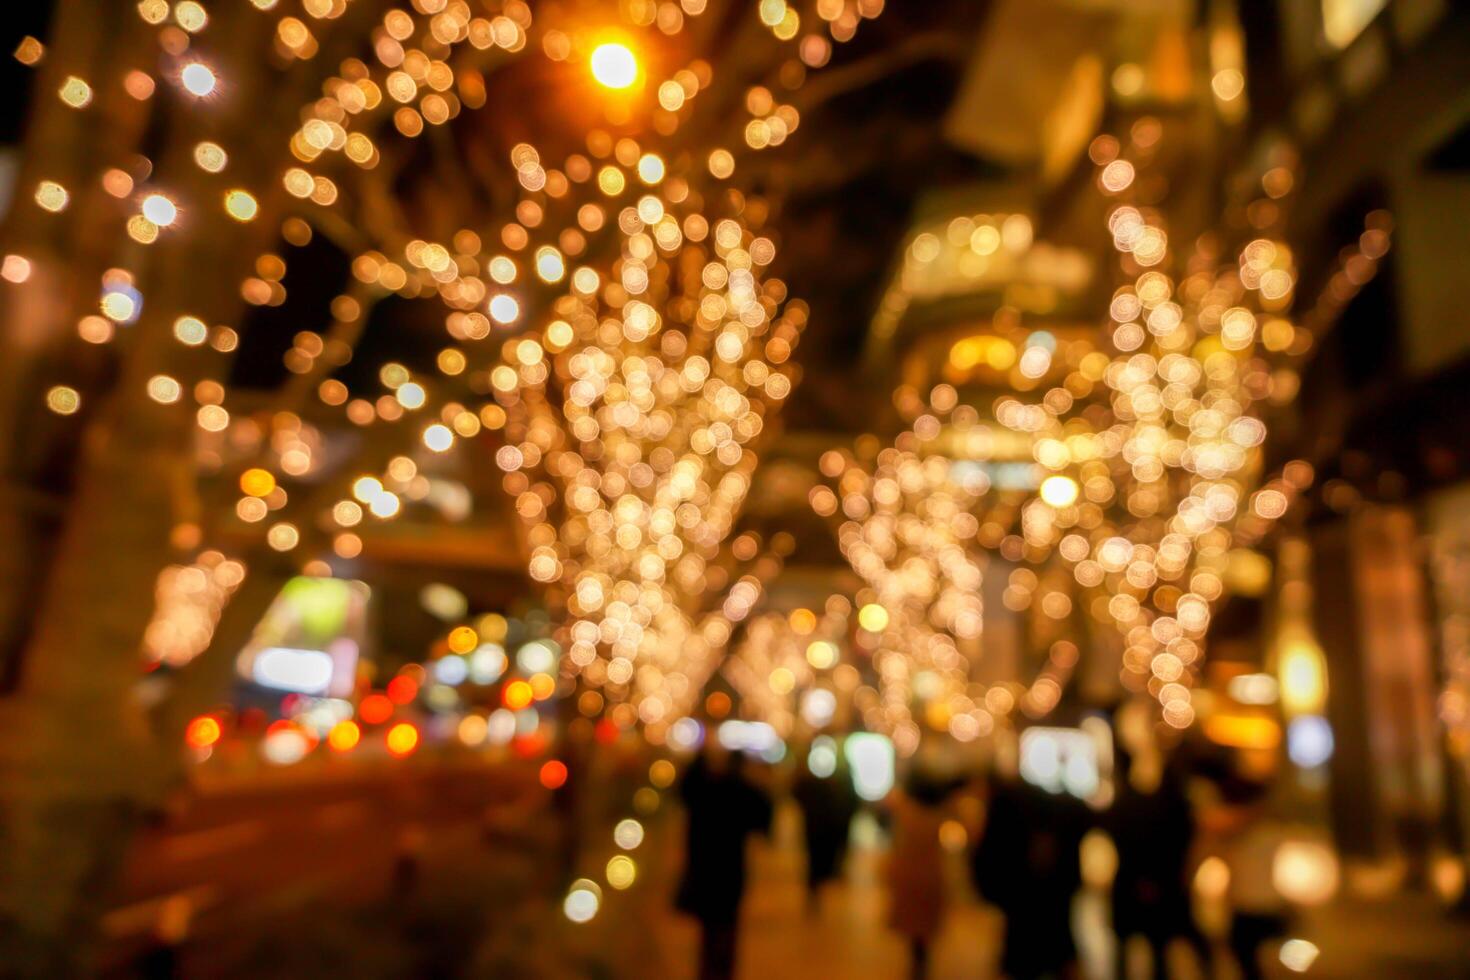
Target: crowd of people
1023	856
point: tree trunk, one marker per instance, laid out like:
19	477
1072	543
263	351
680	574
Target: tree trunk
78	760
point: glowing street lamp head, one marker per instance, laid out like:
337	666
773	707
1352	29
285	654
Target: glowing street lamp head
614	66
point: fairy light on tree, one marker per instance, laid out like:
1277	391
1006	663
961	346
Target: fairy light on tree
613	326
309	113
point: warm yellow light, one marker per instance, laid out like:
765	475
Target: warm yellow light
1305	871
51	195
873	618
1059	491
119	306
822	654
661	774
621	871
721	163
611	180
63	400
403	738
614	66
1303	677
1241	731
15	268
241	205
191	16
283	536
141	230
451	361
257	482
344	736
190	330
164	389
75	92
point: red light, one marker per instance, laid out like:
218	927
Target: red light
402	690
375	709
403	738
606	732
554	774
202	732
529	746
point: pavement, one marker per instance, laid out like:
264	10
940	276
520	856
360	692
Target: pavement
239	856
239	853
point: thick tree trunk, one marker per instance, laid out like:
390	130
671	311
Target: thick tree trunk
68	253
79	764
78	757
80	760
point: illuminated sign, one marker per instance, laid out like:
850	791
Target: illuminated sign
288	669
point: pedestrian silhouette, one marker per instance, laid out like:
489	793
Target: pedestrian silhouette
1251	838
828	804
1151	824
1027	865
916	864
723	808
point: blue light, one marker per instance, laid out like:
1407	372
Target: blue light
1309	741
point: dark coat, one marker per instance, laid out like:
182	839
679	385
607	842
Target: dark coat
723	810
827	808
1027	864
1152	832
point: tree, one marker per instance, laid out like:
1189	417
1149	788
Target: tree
170	149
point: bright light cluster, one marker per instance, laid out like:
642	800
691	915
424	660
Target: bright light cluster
629	405
1147	463
189	600
628	449
789	669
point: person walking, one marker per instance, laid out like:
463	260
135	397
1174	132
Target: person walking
916	865
1027	864
1151	824
1251	838
828	804
723	808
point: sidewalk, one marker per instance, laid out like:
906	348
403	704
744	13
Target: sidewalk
1408	936
846	937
